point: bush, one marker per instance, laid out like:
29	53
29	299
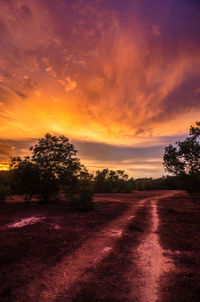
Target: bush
82	198
191	183
4	192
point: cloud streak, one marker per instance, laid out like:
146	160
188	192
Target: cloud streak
101	155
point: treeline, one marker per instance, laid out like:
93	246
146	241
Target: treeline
109	181
24	180
53	167
162	183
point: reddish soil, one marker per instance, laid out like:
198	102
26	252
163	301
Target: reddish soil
179	232
115	253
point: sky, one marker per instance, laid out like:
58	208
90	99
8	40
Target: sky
120	79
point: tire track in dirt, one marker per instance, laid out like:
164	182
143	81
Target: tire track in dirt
60	278
132	270
150	260
109	281
79	267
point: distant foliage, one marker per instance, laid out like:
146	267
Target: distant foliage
183	160
111	181
162	183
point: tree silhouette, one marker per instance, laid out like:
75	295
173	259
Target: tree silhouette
111	181
183	159
52	166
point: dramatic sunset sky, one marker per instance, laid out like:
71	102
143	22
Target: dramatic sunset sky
120	78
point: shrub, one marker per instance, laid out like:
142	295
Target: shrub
82	198
4	192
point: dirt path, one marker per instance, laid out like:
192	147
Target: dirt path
151	260
60	278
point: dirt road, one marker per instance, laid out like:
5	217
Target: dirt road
126	249
140	247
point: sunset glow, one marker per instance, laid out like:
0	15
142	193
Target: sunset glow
119	78
4	166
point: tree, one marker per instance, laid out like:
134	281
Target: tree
57	160
53	165
183	159
81	197
25	176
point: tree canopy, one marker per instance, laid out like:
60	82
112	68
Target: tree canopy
111	181
52	166
183	159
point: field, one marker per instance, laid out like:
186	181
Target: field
139	247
